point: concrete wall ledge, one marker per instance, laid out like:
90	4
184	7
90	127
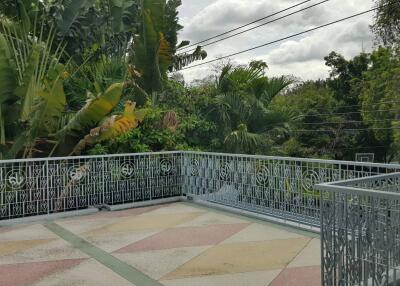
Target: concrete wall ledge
254	215
143	204
48	217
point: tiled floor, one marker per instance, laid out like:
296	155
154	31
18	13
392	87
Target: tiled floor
179	244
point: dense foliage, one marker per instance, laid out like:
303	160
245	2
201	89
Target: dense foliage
99	77
387	23
71	71
242	110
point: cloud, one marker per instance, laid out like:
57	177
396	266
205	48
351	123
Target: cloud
301	56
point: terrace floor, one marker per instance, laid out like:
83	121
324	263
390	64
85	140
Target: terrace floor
179	244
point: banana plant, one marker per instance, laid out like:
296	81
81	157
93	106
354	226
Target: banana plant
112	127
8	83
154	47
32	98
96	109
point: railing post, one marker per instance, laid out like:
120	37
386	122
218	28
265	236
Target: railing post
103	182
322	237
181	171
48	182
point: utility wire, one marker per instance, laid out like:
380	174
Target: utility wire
258	26
288	37
368	105
243	26
361	148
345	113
351	112
345	130
350	122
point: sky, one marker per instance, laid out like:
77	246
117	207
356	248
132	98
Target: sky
301	57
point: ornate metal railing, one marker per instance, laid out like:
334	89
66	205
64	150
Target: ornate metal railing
43	186
280	187
275	186
360	231
358	214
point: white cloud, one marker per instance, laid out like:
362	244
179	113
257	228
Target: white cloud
301	56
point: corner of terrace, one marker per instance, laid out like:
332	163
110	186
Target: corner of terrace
193	218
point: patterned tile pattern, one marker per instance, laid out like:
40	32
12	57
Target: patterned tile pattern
178	244
185	237
28	273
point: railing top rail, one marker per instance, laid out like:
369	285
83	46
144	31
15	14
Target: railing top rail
358	191
293	159
365	179
346	187
89	157
322	161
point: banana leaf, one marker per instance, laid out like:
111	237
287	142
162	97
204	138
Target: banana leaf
8	82
113	127
88	117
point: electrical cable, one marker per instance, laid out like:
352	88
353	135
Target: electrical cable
287	37
246	25
258	26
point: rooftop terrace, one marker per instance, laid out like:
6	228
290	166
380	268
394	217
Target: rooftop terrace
353	207
176	244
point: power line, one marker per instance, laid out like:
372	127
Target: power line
243	26
350	122
353	112
285	38
362	148
258	26
345	130
345	113
337	148
368	105
383	102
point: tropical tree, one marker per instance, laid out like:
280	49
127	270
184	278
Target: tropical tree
33	97
67	65
241	107
380	97
317	126
387	22
155	46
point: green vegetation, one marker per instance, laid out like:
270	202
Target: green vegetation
70	71
99	77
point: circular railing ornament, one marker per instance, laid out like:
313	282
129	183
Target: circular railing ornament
166	166
77	174
127	170
310	179
194	167
225	171
262	175
16	179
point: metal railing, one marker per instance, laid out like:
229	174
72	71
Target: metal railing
358	215
275	186
43	186
360	231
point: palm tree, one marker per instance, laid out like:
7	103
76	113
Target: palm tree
241	107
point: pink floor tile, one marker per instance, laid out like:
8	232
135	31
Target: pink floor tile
185	237
301	276
27	273
4	229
